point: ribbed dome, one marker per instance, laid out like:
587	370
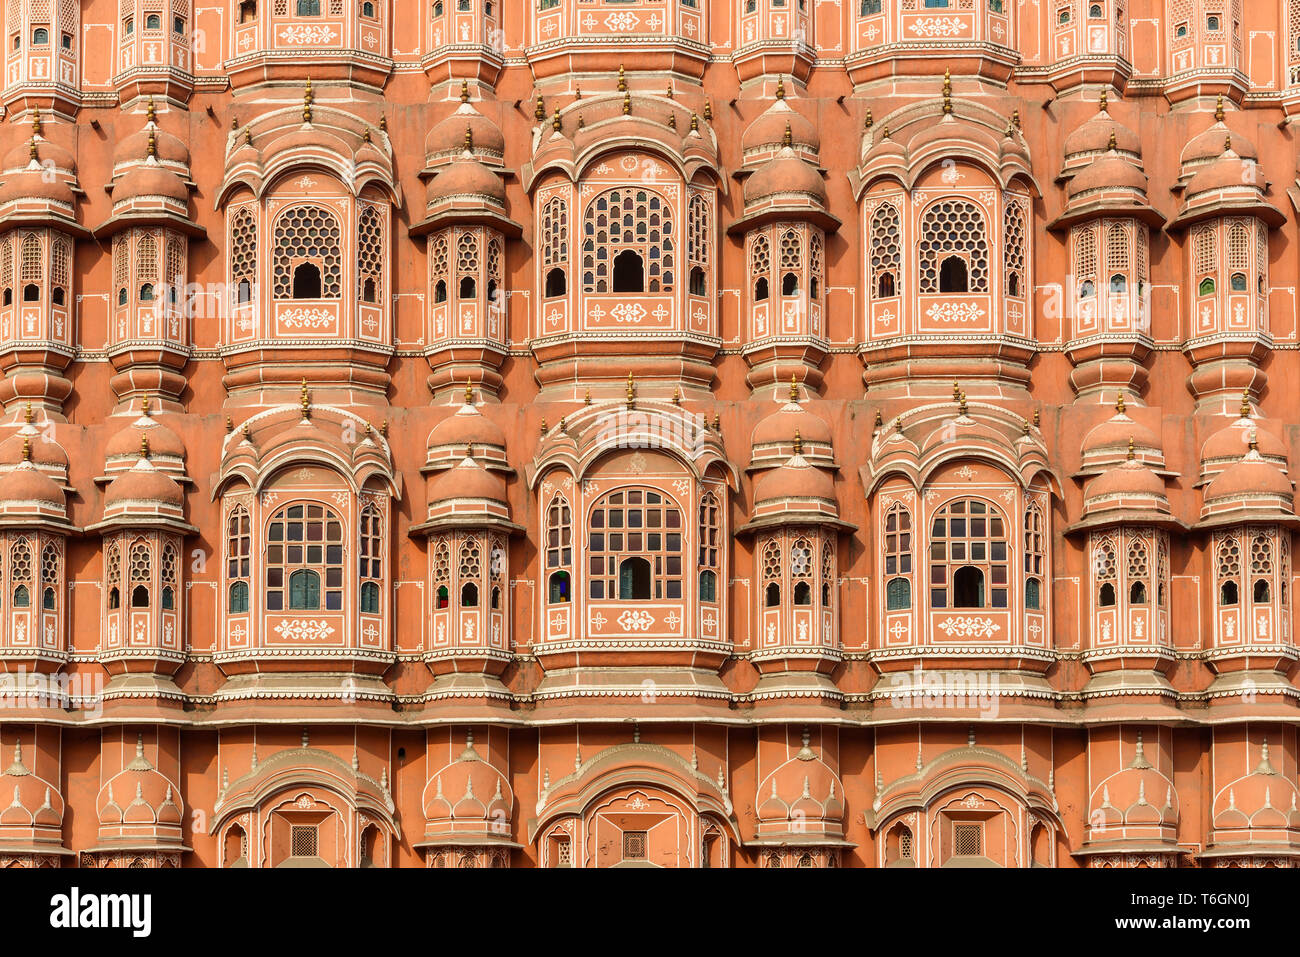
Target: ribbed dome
796	479
1130	480
48	155
784	175
1094	136
25	483
143	485
448	135
791	418
162	440
148	180
769	129
469	479
466	427
1110	171
167	147
34	184
1252	477
467	178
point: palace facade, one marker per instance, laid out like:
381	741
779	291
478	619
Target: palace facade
588	433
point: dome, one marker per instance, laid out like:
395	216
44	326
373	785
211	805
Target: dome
1110	171
33	801
466	177
1229	171
27	485
148	180
1094	136
162	440
139	794
448	135
143	485
48	155
467	426
769	129
781	426
33	184
1208	145
1110	439
1128	481
468	789
468	480
29	442
784	175
1250	478
167	147
796	479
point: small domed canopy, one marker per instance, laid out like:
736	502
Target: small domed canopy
794	493
766	136
38	185
464	428
1098	135
465	191
29	497
806	790
1207	147
1125	494
1107	444
1252	490
772	442
144	495
1256	813
1226	445
166	448
1139	803
39	447
1109	185
1229	184
467	495
466	128
33	817
140	806
465	797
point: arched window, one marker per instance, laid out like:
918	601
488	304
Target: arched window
886	250
623	221
953	232
243	254
140	596
470	571
168	575
238	558
558	587
40	37
441	574
1035	546
898	558
371	558
710	545
708	585
555	246
468	287
440	291
307	236
1228	560
559	547
1206	287
308	538
247	11
153	22
968	556
635	546
238	598
697	287
698	240
112	575
760	261
556	284
469	595
370	254
51	565
22	597
789	285
1033	594
140	569
1013	244
801	571
773	572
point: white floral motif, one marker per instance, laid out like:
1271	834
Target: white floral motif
304	629
307	319
622	21
628	312
955	312
938	27
305	33
969	627
636	620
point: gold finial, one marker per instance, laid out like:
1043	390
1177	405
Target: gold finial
577	92
248	432
898	425
149	113
307	98
581	122
1119	402
230	426
1227	143
780	87
677	395
627	103
27	415
27	449
248	136
669	94
695	122
31	151
717	422
788	138
153	146
234	122
870	121
305	401
144	446
144	405
1015	118
631	392
1245	405
962	403
1111	144
469	139
1218	110
365	135
884	134
672	120
947	92
540	111
1103	101
564	425
383	124
622	79
555	121
1024	427
586	399
383	429
1254	440
36	121
1035	418
879	420
1131	454
469	393
956	390
798	443
464	91
794	388
545	428
469	451
708	110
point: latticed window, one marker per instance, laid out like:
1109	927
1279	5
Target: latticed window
470	572
1262	568
169	576
304	559
139	569
243	254
828	573
898	558
789	262
7	262
635	546
175	270
20	573
1204	267
146	265
967	840
494	299
968	556
555	246
772	569
954	250
559	549
563	852
370	255
467	265
1105	570
51	563
1013	246
627	243
371	558
634	845
1085	261
710	546
239	540
815	265
308	263
1138	569
1228	566
497	570
1035	547
442	574
760	265
30	271
697	237
905	844
802	570
439	257
302	838
113	575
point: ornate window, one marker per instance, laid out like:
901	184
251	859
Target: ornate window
1013	247
801	571
238	548
20	573
112	575
760	264
790	262
898	558
304	559
51	562
1262	568
1035	547
243	255
1204	264
169	577
470	572
139	567
494	299
1228	561
828	573
1085	261
697	252
30	272
467	266
772	574
555	246
968	556
1105	570
710	546
559	550
628	243
371	552
308	262
370	256
635	547
438	264
442	575
146	265
1139	571
815	265
954	250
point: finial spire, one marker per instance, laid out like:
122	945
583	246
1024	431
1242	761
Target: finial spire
962	403
469	393
555	121
794	389
879	419
153	146
1254	440
947	92
1227	143
27	449
305	401
622	79
307	98
780	87
1103	101
631	392
464	91
1218	110
1245	404
798	443
1131	454
627	103
27	415
1111	144
695	122
870	121
1119	402
36	121
144	405
539	112
149	112
144	446
708	110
